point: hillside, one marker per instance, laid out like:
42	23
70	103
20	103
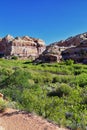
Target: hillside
55	91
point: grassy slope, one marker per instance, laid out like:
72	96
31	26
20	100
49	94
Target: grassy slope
56	91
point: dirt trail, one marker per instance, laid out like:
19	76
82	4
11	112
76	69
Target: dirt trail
19	120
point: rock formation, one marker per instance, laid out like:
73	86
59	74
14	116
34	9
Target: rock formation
72	48
23	47
27	47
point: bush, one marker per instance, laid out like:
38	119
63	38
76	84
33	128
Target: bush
14	57
69	62
56	79
81	80
18	79
3	105
62	90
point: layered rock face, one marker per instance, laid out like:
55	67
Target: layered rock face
27	47
23	47
78	52
51	54
72	48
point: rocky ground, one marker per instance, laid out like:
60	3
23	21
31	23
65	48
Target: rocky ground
19	120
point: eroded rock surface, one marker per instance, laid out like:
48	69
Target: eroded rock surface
23	47
74	48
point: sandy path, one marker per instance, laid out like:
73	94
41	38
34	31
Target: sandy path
17	120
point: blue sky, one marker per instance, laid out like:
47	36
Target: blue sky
50	20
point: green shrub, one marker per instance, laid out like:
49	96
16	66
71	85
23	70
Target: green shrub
81	79
3	105
18	79
56	79
14	57
62	90
69	62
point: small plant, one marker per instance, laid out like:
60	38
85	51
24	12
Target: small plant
62	90
14	57
69	62
3	105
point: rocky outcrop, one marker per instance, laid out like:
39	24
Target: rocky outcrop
78	53
51	54
27	47
23	47
72	41
72	48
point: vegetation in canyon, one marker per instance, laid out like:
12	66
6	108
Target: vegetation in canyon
56	91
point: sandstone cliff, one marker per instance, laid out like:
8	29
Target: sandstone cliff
72	48
23	47
27	47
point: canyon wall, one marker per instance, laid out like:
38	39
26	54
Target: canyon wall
23	47
74	48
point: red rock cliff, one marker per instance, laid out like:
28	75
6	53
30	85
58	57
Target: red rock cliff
23	47
74	48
